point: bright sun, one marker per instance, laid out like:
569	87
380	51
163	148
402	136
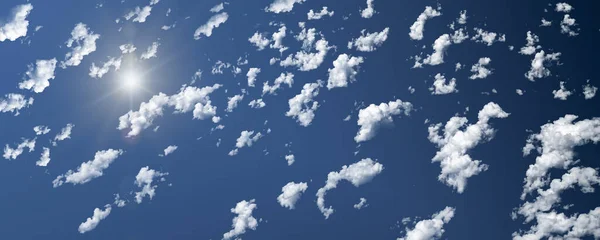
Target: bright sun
131	80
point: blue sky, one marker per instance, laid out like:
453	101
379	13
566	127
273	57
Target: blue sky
167	119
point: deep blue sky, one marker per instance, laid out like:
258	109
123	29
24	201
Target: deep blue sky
207	183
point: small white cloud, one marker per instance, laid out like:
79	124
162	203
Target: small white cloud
170	149
44	159
139	14
306	61
371	118
361	204
13	153
127	48
539	63
85	41
233	102
260	41
530	47
16	25
65	133
284	78
561	93
589	91
563	7
462	19
290	159
430	228
98	72
417	28
441	87
252	73
282	6
41	130
89	170
291	193
37	78
243	219
92	222
13	102
246	139
303	105
370	41
212	23
566	24
257	103
546	23
440	46
369	11
520	92
151	51
480	69
489	38
217	8
318	15
144	180
345	68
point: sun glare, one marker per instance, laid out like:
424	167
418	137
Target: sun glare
131	80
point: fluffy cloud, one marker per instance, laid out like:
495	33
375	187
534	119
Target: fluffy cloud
13	153
139	120
81	43
345	68
290	159
566	24
257	103
98	72
127	48
306	61
440	87
217	8
480	69
539	63
458	138
243	219
370	41
371	118
17	23
246	140
361	204
561	93
282	6
489	38
303	105
13	102
37	79
553	225
170	149
233	102
430	228
417	28
563	7
139	14
318	15
260	41
151	51
369	11
41	130
277	39
357	173
65	133
93	221
212	23
440	46
284	78
462	19
144	180
252	73
290	193
44	159
89	170
589	91
530	47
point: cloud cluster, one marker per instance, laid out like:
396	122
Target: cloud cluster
539	65
37	78
13	102
81	43
303	105
480	69
284	78
13	153
318	15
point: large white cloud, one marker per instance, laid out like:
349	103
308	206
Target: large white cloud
369	42
144	180
212	23
89	170
37	78
458	138
303	105
345	68
430	229
357	173
92	222
243	219
13	153
417	28
13	102
371	118
291	193
81	43
16	25
282	6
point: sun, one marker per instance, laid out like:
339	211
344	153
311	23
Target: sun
131	80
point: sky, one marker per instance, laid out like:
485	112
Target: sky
299	119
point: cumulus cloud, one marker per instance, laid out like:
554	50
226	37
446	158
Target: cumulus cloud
306	61
212	23
233	102
430	228
41	130
290	159
13	102
362	203
144	180
566	24
65	133
98	72
136	121
530	47
458	138
370	41
562	93
16	25
589	91
417	28
89	170
260	41
318	15
303	105
357	173
151	51
13	153
243	219
219	7
290	193
257	103
246	139
127	48
252	73
441	86
44	159
545	23
462	19
37	78
373	117
81	43
170	149
284	78
489	38
345	68
138	14
282	6
277	39
539	65
440	46
563	7
369	11
92	222
480	69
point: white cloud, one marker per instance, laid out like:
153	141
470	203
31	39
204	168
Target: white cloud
260	41
462	19
417	28
41	130
480	69
93	222
277	39
361	204
212	23
306	61
98	72
520	92
85	43
369	11
539	63
44	159
566	24
370	41
13	102
217	8
307	36
140	14
561	93
127	48
440	46
257	103
459	36
373	117
243	219
13	153
290	193
65	133
89	170
282	6
458	138
489	38
318	15
290	159
563	7
284	78
151	51
37	79
546	23
430	228
170	149
345	68
233	102
246	139
252	73
144	180
139	120
303	105
589	91
530	47
16	25
440	87
357	173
